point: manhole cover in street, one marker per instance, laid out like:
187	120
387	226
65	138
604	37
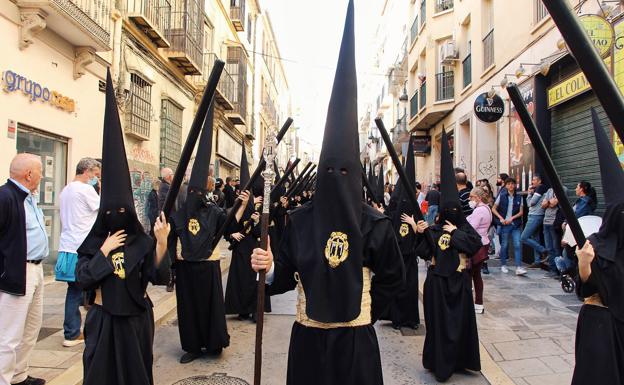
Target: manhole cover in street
215	379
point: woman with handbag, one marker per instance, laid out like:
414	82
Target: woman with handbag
480	220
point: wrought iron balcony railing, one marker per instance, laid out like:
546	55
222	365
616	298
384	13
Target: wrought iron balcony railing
445	85
153	17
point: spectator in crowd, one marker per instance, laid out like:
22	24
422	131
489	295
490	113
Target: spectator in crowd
535	221
219	196
151	207
420	197
23	245
387	194
464	192
228	191
97	172
166	176
468	183
79	204
552	240
500	182
509	211
433	202
480	220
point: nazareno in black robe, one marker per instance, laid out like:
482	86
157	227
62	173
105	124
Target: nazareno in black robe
599	343
451	341
119	334
345	355
241	292
199	287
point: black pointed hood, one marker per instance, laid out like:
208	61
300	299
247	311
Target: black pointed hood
334	270
201	165
405	235
610	168
371	180
450	206
244	167
381	185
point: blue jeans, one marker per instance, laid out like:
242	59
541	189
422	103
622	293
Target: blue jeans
432	212
73	299
504	232
552	243
530	231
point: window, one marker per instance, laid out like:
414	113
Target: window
140	107
414	30
170	134
443	5
467	65
540	11
423	12
414	104
249	29
488	33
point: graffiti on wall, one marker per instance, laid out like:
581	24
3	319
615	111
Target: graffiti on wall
141	154
141	187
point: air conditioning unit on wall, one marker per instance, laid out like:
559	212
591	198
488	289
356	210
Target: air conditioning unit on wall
449	53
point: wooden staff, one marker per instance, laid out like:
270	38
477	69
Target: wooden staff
549	166
268	174
369	189
295	187
405	182
191	139
256	174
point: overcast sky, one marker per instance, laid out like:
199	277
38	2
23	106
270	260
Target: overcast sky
308	34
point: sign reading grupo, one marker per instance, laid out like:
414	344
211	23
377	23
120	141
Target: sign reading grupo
12	82
489	110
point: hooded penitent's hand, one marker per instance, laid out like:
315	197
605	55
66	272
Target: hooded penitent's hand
284	202
262	259
585	256
421	226
161	229
244	197
408	219
113	241
449	227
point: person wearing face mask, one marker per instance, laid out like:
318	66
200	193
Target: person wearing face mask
242	288
338	252
451	340
480	220
79	207
116	262
199	290
599	347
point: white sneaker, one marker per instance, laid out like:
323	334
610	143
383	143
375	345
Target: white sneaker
521	271
76	341
504	269
479	309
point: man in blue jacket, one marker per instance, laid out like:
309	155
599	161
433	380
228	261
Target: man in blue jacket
23	245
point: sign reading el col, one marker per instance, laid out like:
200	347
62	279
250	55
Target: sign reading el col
12	82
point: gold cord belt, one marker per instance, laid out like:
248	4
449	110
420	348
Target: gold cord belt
463	262
594	299
362	320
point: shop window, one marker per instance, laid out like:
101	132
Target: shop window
140	107
170	134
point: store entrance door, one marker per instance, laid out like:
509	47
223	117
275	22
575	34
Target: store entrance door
53	153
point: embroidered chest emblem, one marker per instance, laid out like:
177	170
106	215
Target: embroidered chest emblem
337	248
444	242
404	229
118	264
193	226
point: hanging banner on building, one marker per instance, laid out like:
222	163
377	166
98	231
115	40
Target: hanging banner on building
422	145
489	110
521	153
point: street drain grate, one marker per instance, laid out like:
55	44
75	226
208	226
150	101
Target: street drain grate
214	379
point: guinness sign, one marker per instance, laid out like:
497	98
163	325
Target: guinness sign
487	109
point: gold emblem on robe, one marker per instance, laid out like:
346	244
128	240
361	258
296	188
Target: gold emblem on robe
193	226
337	248
444	242
118	264
404	229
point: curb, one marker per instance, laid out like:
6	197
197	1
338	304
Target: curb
489	368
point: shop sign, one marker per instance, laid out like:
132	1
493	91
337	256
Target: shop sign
421	144
228	147
600	32
489	110
567	89
11	129
13	82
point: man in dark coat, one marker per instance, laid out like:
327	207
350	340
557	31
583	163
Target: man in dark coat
600	330
116	262
228	191
340	254
451	341
199	290
23	245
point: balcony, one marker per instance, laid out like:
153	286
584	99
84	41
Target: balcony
185	35
443	5
237	14
83	23
467	70
430	114
152	17
269	111
225	87
414	104
236	66
422	101
414	30
488	50
445	86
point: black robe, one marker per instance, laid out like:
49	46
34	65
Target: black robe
344	355
452	340
599	346
241	292
119	334
199	288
